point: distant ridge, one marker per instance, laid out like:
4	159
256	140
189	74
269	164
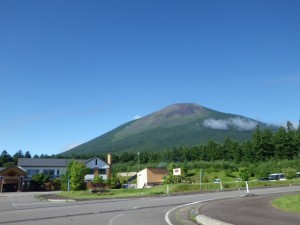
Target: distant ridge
183	124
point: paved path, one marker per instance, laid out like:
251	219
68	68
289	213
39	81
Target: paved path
256	210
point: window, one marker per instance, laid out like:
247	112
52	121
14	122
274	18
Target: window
49	172
96	162
32	172
102	171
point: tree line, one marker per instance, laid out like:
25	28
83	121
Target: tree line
266	144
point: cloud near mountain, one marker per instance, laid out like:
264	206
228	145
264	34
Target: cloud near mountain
238	123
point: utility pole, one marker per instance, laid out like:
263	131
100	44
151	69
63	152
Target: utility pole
138	161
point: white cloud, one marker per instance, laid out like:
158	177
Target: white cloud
238	123
243	124
136	117
216	124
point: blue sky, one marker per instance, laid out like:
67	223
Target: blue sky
73	70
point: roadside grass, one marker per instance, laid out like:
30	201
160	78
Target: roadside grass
289	203
116	193
175	189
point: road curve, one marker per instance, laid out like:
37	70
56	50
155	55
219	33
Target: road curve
249	211
22	208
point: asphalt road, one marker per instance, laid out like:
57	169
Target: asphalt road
249	211
23	208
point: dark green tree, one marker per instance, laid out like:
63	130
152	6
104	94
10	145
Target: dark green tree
19	154
291	145
5	159
267	144
27	155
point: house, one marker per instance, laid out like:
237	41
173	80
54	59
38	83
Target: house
151	177
57	167
97	167
11	178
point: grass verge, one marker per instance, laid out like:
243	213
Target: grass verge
173	189
289	203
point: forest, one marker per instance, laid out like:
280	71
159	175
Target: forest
267	151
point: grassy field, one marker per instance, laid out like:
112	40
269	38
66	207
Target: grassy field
290	203
175	189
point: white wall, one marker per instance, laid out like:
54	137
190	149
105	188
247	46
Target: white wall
142	178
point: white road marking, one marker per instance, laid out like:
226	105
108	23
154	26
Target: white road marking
111	221
192	203
36	203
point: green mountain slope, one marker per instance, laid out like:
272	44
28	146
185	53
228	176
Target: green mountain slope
176	125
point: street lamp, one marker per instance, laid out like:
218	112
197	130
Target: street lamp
138	161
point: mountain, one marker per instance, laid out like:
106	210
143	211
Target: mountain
184	124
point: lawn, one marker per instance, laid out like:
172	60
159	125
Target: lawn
290	203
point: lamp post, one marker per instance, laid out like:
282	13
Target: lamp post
138	161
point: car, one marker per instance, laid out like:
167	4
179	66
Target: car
263	179
276	176
217	181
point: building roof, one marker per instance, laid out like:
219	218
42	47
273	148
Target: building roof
33	162
155	169
15	169
125	174
105	164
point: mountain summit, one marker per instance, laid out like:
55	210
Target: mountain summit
183	124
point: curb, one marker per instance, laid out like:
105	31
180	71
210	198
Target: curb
61	200
205	220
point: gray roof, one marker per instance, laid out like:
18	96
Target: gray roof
32	162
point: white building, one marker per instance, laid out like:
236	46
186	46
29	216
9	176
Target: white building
150	177
56	167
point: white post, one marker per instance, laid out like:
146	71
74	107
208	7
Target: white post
221	186
247	187
167	189
200	179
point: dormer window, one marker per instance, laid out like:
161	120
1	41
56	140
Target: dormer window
96	162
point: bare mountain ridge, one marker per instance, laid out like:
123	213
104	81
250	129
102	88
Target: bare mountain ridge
171	116
183	124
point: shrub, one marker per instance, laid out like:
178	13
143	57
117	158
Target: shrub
289	173
245	174
38	181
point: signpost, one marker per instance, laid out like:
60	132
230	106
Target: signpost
201	177
68	184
